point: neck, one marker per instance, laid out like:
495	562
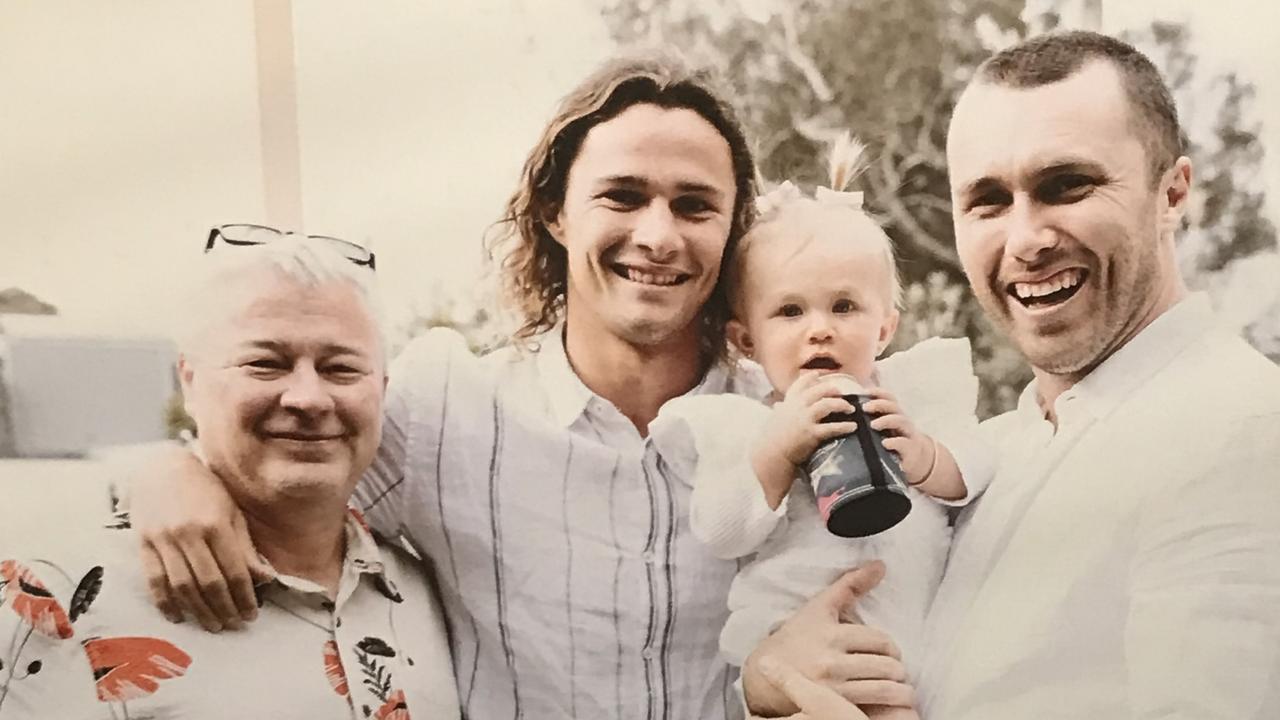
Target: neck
304	540
637	379
1050	385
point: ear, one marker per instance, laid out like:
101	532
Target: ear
1176	191
741	339
553	226
887	330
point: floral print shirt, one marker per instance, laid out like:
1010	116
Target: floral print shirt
80	639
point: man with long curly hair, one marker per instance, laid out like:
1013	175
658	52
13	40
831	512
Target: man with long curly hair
557	529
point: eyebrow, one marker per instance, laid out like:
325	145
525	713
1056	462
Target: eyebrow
1066	166
638	182
327	349
980	186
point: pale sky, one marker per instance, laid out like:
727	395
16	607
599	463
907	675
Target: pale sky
129	129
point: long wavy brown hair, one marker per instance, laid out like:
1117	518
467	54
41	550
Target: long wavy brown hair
533	267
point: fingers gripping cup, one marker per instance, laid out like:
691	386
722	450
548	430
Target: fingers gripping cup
859	484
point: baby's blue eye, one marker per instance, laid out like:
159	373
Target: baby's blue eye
790	310
843	306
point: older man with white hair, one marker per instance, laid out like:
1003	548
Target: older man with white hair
283	369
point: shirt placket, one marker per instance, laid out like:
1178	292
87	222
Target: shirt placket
658	569
614	429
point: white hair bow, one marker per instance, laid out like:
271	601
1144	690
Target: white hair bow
787	191
780	195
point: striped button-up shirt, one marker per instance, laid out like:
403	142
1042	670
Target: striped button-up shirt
558	535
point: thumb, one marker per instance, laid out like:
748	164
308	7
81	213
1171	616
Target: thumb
845	591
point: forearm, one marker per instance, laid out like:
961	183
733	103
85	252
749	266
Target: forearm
944	481
147	482
775	475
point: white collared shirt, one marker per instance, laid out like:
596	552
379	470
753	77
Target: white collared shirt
89	645
1127	563
560	538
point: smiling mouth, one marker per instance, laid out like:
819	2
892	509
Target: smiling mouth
1053	290
821	362
301	437
655	279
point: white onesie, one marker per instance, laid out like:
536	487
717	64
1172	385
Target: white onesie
795	556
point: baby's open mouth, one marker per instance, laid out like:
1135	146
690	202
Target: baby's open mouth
821	362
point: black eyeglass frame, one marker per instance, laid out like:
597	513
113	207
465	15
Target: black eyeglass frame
363	256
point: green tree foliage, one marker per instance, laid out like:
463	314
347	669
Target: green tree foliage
890	71
1228	221
472	317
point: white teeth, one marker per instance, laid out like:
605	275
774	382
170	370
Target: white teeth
1065	279
651	278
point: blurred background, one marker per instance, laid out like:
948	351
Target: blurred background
129	129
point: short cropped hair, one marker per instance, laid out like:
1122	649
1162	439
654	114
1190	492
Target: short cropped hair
1053	57
299	259
533	267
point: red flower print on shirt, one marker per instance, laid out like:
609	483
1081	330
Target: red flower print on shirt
127	668
33	602
333	668
395	708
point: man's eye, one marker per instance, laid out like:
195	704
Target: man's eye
843	306
989	202
692	206
344	371
627	199
266	365
790	310
1066	188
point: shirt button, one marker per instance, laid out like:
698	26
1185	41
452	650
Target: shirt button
648	556
646	653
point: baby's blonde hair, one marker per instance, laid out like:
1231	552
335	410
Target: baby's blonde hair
791	216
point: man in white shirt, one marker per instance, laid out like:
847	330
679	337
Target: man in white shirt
1123	563
559	539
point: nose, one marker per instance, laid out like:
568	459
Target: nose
305	391
1028	236
657	233
820	330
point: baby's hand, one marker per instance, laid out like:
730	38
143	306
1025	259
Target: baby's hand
915	450
795	428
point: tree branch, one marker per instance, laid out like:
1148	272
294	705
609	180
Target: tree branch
795	53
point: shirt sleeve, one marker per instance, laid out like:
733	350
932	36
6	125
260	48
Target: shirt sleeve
1203	631
710	437
47	672
417	383
936	387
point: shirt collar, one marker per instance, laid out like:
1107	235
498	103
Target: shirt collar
363	557
568	397
1136	361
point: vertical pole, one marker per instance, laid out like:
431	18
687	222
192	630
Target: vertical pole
278	112
1091	15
